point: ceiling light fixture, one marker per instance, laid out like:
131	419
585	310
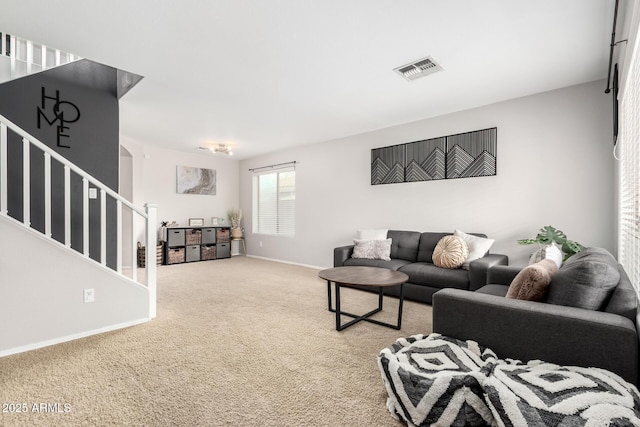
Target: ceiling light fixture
420	68
220	148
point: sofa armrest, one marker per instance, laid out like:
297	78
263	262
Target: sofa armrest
528	330
341	254
479	268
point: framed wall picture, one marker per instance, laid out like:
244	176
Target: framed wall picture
196	222
191	180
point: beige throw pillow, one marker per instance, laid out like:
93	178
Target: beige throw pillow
450	252
532	282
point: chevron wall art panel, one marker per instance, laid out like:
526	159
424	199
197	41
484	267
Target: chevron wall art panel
463	155
472	154
387	165
426	160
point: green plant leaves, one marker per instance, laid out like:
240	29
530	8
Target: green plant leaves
549	235
527	241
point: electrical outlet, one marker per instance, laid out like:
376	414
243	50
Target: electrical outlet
260	243
93	193
89	295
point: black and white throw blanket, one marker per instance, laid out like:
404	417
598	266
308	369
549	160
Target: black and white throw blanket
440	381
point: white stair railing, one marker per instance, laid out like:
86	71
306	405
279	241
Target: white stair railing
123	207
28	57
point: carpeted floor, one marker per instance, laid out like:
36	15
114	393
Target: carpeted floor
240	341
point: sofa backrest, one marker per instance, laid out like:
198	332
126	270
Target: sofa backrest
404	244
593	279
624	300
428	242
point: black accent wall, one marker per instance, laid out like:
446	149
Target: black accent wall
74	110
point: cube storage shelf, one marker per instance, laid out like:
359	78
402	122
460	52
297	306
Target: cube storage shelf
189	244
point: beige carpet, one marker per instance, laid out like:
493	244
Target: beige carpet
240	341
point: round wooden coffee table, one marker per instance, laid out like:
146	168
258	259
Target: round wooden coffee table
363	276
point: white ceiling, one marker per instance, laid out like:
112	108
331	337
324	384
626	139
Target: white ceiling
264	75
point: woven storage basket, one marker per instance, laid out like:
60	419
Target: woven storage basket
142	255
193	237
175	255
222	235
207	252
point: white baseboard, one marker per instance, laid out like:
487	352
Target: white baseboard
67	338
288	262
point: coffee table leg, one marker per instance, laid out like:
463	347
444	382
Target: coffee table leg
338	327
329	295
400	305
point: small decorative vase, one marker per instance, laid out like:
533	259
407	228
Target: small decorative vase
236	233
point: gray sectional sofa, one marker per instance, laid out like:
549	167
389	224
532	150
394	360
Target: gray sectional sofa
588	318
411	253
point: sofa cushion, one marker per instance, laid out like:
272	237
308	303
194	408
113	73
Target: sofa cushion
424	273
624	300
497	290
532	282
450	252
394	264
478	246
428	242
404	244
372	249
547	252
586	280
372	234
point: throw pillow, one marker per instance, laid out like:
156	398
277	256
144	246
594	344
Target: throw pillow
478	246
547	252
586	280
532	282
372	249
371	234
450	252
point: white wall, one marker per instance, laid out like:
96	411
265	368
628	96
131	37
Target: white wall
554	167
154	176
43	304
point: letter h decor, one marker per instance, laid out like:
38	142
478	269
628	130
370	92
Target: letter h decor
463	155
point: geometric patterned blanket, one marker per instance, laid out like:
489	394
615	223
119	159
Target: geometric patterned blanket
441	381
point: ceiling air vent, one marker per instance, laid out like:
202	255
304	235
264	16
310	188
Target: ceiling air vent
420	68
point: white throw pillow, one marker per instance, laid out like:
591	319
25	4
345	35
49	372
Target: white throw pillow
551	252
372	234
478	246
372	249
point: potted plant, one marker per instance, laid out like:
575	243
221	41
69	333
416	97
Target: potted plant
549	235
235	216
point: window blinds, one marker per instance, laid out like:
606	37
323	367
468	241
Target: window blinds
629	172
274	202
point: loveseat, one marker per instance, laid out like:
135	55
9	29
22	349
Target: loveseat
412	253
588	316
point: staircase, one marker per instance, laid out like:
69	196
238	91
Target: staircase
41	313
20	57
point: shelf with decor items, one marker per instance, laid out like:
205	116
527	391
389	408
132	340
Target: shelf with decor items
189	244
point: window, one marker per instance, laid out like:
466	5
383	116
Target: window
274	202
629	171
